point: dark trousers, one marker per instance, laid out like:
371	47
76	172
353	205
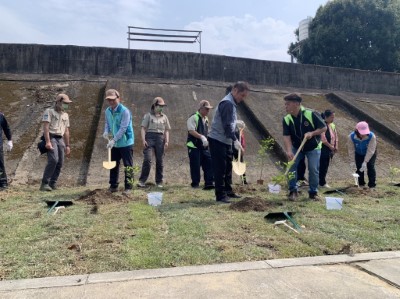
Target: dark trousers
200	158
221	156
126	154
324	161
370	169
301	170
3	175
228	173
155	141
55	161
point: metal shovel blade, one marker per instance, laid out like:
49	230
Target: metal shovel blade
239	167
109	164
356	176
273	216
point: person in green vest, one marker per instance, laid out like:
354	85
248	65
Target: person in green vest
298	124
197	144
329	146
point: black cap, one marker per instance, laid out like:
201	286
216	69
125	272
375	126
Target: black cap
294	97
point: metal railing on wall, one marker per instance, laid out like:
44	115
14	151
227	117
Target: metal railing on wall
142	34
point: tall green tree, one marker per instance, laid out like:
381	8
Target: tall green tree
361	34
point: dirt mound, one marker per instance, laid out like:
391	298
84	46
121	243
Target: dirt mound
245	189
253	204
102	196
353	190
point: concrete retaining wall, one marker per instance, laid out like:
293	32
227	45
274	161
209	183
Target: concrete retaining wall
74	60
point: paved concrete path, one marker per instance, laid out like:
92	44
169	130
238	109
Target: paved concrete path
367	275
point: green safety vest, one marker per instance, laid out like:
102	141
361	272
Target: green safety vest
191	140
308	115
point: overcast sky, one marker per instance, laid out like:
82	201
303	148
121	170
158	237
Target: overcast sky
260	29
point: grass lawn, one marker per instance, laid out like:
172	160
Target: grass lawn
114	233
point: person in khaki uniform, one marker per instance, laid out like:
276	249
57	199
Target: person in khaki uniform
56	134
155	136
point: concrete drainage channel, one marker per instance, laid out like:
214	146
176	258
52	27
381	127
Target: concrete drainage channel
87	154
391	136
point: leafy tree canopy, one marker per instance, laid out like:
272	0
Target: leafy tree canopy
361	34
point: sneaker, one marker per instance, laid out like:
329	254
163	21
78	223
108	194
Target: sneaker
45	187
315	197
113	189
326	186
224	200
53	186
293	195
160	186
302	183
141	185
195	186
233	195
127	192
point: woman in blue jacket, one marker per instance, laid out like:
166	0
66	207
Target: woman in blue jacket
362	146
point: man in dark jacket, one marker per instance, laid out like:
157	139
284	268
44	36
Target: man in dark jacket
6	129
221	137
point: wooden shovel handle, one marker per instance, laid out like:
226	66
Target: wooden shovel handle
240	141
297	153
109	154
300	148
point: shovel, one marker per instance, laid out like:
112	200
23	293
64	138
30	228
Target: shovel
356	176
239	167
109	164
341	191
273	216
285	224
291	162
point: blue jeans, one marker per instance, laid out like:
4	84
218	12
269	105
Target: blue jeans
313	170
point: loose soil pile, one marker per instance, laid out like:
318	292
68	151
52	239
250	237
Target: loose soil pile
103	196
253	204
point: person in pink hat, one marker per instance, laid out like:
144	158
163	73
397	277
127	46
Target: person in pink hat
362	146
